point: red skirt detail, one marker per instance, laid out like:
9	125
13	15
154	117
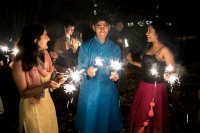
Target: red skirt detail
141	106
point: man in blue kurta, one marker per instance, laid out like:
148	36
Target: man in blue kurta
98	108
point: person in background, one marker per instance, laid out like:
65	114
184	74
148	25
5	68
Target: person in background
34	75
65	49
85	32
1	60
65	57
120	36
98	108
9	119
149	111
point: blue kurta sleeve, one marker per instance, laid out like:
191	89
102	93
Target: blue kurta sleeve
82	60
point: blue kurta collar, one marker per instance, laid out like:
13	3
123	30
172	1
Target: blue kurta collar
106	41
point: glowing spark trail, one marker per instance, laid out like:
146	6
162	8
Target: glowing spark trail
172	78
99	61
4	48
116	65
126	43
75	75
69	88
154	70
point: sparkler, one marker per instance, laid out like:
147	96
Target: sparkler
99	61
171	77
169	68
5	49
154	70
6	52
15	51
126	43
69	88
116	65
75	77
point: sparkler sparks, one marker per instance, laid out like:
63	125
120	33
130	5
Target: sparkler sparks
126	43
116	65
69	88
4	48
154	70
74	76
72	79
169	68
171	77
99	61
15	51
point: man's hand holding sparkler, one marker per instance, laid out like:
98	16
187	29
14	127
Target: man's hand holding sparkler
91	71
115	66
114	76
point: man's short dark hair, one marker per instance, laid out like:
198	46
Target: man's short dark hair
68	23
101	17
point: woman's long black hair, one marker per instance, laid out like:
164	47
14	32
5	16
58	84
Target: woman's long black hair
28	49
165	35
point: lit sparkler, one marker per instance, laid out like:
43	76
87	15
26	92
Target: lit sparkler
174	77
126	43
99	61
169	68
69	88
15	51
4	48
74	75
154	70
116	65
171	77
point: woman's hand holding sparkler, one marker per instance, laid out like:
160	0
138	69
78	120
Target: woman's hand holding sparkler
166	75
170	75
59	79
169	70
91	71
54	83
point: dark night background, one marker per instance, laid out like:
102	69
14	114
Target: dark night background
183	15
14	14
